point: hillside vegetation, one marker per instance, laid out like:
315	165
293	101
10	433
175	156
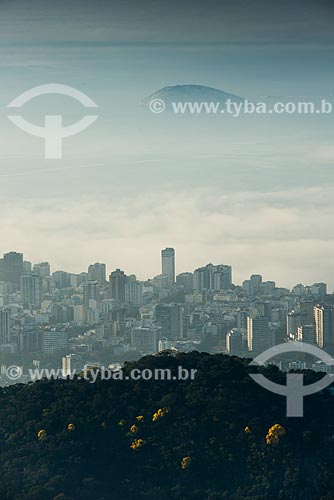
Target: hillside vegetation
220	436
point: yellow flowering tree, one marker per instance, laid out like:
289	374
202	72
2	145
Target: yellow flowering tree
134	429
185	462
136	444
274	434
71	427
140	418
41	435
159	413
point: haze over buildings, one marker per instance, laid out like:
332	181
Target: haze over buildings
100	314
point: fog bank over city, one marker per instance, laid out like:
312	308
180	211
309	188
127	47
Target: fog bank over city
266	232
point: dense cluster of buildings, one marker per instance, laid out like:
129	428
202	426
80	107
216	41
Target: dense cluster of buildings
42	313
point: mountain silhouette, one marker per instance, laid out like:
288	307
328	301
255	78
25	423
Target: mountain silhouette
191	93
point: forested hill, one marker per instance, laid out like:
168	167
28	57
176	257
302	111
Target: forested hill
220	436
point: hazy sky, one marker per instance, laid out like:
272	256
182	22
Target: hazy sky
256	193
160	21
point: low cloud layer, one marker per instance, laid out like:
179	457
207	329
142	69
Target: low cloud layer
286	236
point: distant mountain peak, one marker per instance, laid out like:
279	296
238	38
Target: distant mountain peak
191	93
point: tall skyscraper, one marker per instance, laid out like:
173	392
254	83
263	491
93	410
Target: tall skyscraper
202	279
4	326
324	326
168	264
255	284
97	272
32	291
66	365
221	277
117	281
13	268
259	335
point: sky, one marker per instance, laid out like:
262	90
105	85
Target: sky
253	192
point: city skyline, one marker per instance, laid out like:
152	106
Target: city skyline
178	270
109	314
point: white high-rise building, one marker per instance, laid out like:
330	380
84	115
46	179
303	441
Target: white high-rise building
324	326
66	365
168	263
